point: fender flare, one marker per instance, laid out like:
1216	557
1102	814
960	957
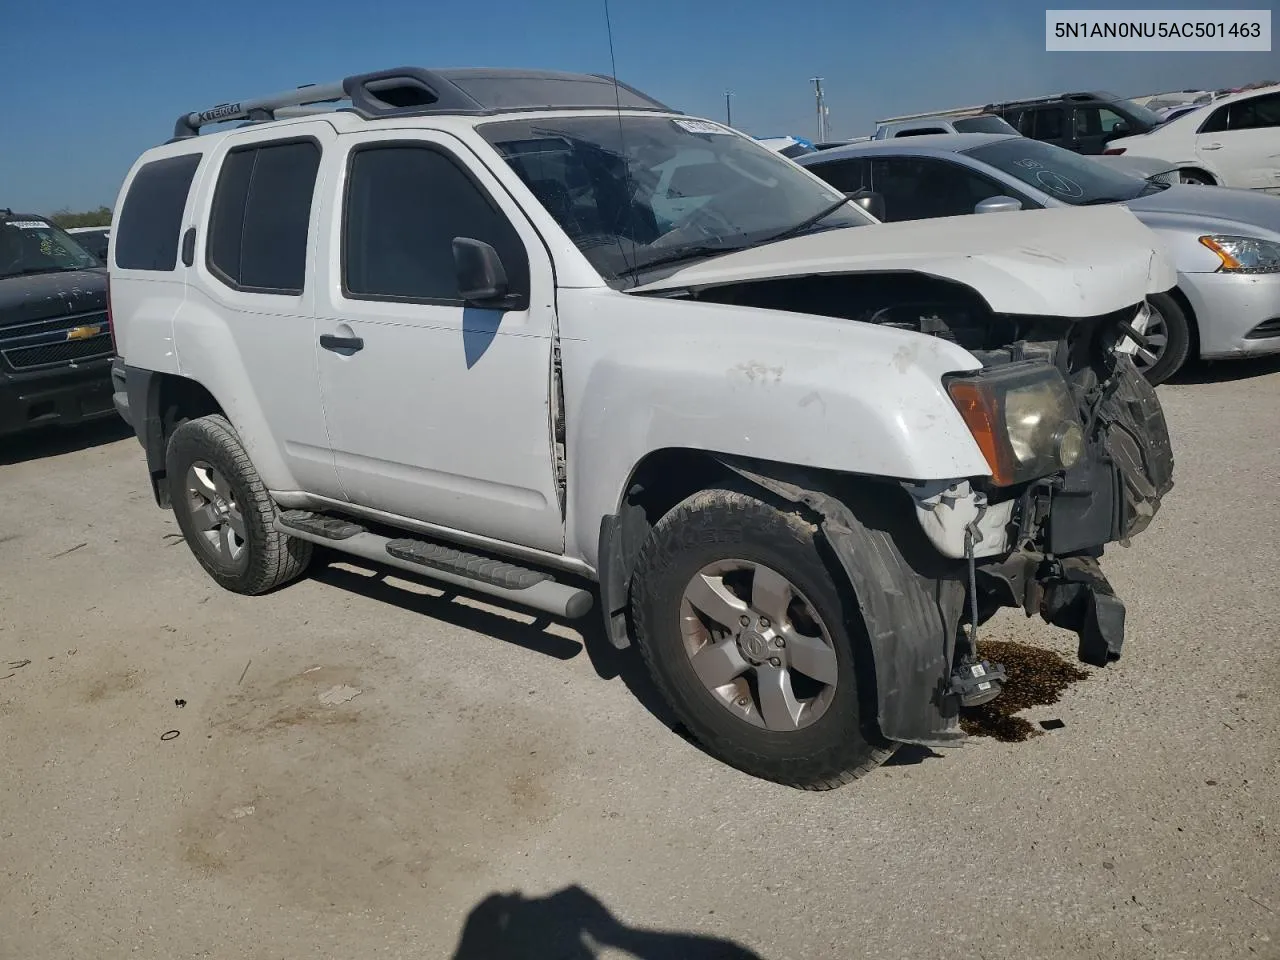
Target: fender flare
911	597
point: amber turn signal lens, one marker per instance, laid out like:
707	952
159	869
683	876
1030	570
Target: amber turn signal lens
979	407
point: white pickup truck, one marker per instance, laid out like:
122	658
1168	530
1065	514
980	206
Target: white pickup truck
794	454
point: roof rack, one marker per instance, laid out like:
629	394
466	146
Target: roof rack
416	91
955	112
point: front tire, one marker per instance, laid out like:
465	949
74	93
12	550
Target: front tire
225	512
751	641
1169	335
1195	178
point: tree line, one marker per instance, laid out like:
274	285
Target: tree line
86	218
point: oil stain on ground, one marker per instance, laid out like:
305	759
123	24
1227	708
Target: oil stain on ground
1037	678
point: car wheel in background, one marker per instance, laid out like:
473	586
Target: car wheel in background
1195	178
1168	337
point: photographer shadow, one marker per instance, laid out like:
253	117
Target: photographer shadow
571	924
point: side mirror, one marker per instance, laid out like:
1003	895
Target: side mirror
869	201
482	279
998	205
1119	130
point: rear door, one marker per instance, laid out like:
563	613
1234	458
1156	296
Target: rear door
1050	124
245	330
1241	141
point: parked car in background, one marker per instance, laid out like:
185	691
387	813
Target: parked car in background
922	126
1178	99
785	441
1079	122
1232	142
93	239
789	147
55	338
1226	243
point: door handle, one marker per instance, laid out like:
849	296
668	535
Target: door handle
1212	146
344	345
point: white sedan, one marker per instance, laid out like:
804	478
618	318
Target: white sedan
1232	142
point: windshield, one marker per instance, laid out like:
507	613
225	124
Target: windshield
986	123
35	246
1142	114
1063	175
638	192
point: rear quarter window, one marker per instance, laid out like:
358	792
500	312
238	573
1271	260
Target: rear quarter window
150	220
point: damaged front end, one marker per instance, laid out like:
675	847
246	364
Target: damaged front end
1037	543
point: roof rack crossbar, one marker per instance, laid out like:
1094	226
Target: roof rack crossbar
414	91
189	124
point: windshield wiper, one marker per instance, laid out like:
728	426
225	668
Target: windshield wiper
1098	200
686	253
804	224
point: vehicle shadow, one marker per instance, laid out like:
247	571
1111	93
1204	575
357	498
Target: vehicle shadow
56	441
608	662
1225	371
571	924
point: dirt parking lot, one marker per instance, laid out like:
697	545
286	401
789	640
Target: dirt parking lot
361	764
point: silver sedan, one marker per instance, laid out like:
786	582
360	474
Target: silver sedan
1226	243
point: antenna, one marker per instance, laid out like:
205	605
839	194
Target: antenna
728	110
622	145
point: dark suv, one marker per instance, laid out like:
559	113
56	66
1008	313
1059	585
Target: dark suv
1083	122
55	338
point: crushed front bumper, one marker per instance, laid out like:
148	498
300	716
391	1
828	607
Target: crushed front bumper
1040	550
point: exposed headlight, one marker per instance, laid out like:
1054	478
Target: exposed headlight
1023	419
1245	254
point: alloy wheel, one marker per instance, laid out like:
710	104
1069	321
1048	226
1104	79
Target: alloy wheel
758	645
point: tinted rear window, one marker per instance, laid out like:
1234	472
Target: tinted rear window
261	214
146	231
983	124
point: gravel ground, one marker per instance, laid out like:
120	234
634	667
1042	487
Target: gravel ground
367	768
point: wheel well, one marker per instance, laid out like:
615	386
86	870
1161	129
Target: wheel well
660	481
173	401
1200	172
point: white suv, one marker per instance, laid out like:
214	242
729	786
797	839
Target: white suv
791	450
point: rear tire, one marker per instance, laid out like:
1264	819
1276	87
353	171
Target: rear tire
753	554
1176	331
225	512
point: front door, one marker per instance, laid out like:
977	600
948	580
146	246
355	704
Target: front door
437	410
1241	140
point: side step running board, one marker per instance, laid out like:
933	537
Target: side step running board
495	578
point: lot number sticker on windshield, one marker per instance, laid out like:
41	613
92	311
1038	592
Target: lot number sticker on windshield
27	224
700	126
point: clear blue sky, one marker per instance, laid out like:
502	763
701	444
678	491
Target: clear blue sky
89	85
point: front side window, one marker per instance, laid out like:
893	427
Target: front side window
150	220
405	205
261	216
920	188
1063	175
847	176
30	246
636	193
1255	113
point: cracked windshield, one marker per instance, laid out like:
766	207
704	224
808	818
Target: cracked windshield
638	193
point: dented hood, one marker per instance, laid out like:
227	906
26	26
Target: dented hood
1069	262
